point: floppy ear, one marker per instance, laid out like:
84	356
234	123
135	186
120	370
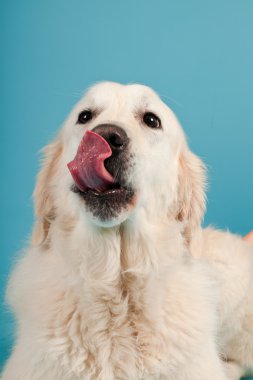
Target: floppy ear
191	199
43	197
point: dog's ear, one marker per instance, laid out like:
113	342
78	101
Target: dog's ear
191	199
43	194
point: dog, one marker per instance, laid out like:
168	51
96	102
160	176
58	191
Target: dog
119	280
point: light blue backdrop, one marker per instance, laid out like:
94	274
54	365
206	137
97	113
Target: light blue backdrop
197	54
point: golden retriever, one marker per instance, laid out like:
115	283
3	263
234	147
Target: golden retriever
120	281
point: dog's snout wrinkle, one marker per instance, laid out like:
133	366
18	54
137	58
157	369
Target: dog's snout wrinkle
114	135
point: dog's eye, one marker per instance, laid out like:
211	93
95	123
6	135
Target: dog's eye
151	120
84	117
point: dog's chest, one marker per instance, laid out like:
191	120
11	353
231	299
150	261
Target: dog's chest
103	336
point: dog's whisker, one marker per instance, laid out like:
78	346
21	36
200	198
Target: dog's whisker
172	100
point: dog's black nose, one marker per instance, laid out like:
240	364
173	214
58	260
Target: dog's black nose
114	135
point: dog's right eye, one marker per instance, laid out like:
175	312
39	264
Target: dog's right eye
84	117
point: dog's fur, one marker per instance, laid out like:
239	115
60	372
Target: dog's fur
147	294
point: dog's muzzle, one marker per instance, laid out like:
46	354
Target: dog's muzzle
101	171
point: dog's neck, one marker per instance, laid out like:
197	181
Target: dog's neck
131	248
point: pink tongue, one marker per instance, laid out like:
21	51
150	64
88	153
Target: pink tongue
87	168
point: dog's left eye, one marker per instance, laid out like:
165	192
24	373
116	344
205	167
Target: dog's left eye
151	120
84	117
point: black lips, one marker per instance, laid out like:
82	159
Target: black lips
108	205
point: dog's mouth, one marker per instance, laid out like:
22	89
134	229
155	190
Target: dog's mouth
99	179
115	190
108	204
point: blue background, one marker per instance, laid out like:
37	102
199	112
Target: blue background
197	54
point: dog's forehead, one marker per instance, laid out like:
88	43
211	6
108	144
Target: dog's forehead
132	95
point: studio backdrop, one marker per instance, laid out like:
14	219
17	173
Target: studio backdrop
198	55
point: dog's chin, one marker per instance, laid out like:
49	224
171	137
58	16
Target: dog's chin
107	208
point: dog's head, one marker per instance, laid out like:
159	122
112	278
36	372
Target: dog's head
120	154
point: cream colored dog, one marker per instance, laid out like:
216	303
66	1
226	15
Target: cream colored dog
120	281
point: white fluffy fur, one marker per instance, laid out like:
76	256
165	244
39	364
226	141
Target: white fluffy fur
148	295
